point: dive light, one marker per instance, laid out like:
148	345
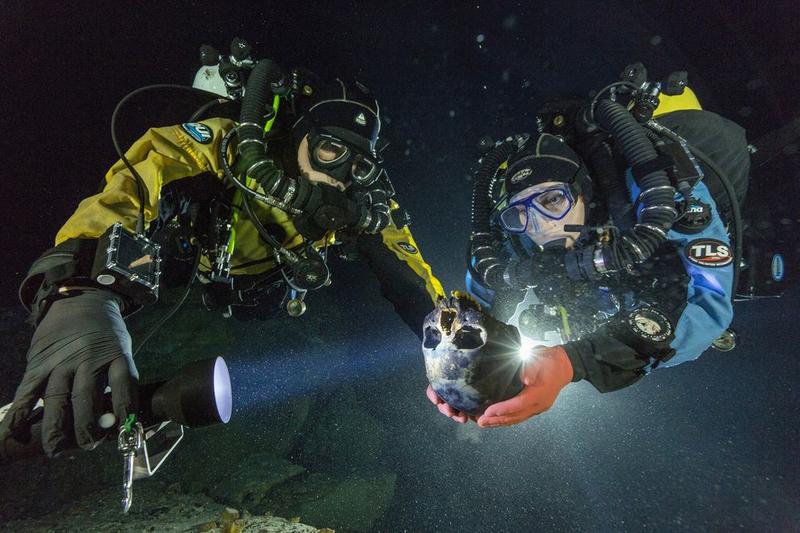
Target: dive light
198	395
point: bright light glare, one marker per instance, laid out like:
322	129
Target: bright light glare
526	347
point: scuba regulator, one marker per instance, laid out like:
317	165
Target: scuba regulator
618	120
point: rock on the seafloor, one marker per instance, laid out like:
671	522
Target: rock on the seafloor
237	526
186	513
353	503
253	478
229	514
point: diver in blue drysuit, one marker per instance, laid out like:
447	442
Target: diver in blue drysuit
662	312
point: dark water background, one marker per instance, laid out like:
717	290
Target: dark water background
710	445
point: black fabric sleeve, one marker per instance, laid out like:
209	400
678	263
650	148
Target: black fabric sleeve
404	288
607	363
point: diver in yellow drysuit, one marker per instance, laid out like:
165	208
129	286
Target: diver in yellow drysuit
259	203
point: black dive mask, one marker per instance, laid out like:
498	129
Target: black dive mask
341	160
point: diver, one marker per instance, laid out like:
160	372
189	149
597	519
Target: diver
611	238
256	205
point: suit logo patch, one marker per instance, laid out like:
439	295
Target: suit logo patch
407	247
199	132
361	119
709	253
649	324
521	175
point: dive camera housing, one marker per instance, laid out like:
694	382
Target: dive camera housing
128	263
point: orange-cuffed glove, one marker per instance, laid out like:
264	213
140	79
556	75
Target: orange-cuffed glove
543	376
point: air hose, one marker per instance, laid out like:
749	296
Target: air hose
638	243
266	76
602	162
484	256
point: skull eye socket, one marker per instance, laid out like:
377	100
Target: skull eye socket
468	338
431	338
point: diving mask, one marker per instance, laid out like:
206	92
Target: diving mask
533	211
341	161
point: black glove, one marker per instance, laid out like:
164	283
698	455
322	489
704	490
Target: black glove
80	346
328	209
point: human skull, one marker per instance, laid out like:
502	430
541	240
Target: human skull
471	359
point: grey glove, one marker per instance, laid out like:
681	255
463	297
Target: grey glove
80	346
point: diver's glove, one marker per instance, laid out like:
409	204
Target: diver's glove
80	346
328	209
544	374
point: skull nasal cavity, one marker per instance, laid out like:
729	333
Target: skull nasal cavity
446	320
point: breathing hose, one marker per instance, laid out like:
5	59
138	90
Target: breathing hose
266	76
484	257
638	243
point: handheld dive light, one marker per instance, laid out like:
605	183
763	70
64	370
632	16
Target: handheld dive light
198	395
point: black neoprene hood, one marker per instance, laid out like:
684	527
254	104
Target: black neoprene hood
548	159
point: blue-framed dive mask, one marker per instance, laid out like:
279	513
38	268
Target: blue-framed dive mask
553	203
341	161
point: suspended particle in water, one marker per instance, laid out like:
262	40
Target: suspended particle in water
510	22
506	75
655	40
451	113
746	111
754	85
763	224
480	38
